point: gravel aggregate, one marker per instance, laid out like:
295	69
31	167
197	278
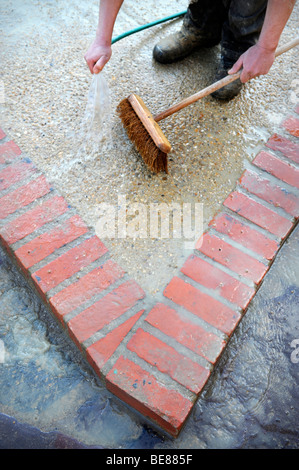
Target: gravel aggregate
46	86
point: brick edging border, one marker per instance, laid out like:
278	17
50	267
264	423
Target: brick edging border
155	359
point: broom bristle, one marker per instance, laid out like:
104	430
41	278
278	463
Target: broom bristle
153	157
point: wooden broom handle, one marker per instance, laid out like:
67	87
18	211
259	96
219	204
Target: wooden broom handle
216	86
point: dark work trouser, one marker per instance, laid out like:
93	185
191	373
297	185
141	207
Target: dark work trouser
237	23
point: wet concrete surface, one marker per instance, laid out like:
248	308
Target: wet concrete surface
50	398
46	84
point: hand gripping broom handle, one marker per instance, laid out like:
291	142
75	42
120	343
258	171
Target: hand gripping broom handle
216	86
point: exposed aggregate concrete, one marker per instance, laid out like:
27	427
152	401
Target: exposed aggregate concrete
46	84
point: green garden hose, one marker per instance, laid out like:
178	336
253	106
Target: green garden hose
149	25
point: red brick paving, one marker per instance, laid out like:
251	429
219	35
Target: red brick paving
99	352
104	311
259	214
69	263
84	289
182	369
240	232
291	124
155	358
8	151
33	219
140	389
218	281
285	146
269	192
202	305
14	173
287	172
186	332
44	245
23	196
231	257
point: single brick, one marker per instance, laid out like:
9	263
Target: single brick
141	390
231	257
98	353
285	146
2	134
291	124
182	369
211	277
8	152
85	288
202	305
14	173
23	196
33	219
45	244
186	332
103	312
68	264
269	192
276	167
245	235
258	214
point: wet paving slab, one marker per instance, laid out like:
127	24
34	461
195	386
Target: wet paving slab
51	399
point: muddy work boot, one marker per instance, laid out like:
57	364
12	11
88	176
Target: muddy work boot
179	45
232	89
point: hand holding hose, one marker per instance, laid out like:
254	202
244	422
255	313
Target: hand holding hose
99	52
97	56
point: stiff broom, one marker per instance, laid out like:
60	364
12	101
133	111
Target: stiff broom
146	134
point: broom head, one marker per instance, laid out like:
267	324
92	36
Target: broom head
144	132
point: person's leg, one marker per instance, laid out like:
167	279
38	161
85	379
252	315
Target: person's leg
241	30
202	27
